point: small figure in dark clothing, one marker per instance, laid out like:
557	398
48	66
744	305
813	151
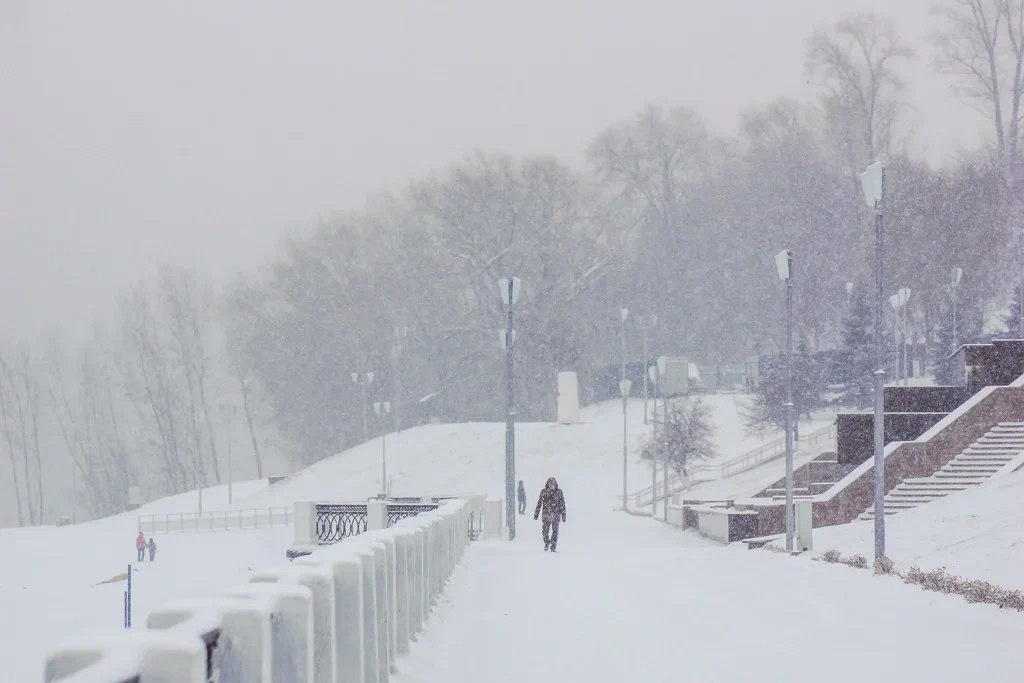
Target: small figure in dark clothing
522	498
552	502
152	549
140	545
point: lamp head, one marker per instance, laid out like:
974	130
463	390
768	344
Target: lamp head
783	261
872	184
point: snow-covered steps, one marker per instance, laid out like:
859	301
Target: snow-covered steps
1000	449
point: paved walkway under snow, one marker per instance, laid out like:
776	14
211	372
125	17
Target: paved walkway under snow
628	599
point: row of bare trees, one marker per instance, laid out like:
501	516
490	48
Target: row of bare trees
149	403
667	218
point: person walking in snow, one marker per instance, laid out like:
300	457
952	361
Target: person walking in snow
552	502
140	545
522	498
152	549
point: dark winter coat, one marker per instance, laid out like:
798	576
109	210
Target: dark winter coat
522	492
552	502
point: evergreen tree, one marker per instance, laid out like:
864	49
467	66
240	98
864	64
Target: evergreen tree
768	407
809	381
943	346
1013	320
969	330
855	361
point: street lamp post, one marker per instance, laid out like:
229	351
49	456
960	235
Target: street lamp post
509	288
656	372
229	411
396	355
899	301
873	185
662	367
624	387
958	273
784	265
363	379
382	409
652	375
645	320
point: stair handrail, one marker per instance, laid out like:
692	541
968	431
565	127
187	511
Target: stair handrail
761	454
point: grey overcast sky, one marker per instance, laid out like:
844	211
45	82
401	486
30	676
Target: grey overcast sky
135	132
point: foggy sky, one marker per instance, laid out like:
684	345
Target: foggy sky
136	133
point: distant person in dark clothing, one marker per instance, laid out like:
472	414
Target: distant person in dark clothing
140	545
152	549
552	502
522	498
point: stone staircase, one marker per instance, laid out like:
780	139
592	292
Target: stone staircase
974	465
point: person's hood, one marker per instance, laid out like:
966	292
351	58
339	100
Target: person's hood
551	480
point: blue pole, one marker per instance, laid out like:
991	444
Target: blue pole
128	598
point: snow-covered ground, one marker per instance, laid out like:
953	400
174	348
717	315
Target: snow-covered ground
625	598
977	534
628	599
51	577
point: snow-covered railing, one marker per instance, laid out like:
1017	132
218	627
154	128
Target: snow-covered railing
225	520
772	450
345	612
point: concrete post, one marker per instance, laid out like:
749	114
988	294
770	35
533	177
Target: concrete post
365	555
383	626
804	525
304	521
403	586
291	628
349	619
320	581
376	515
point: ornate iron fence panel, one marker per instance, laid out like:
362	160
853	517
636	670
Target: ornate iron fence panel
335	522
403	510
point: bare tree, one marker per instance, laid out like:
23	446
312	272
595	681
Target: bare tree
187	305
85	405
982	44
150	381
22	415
6	404
856	63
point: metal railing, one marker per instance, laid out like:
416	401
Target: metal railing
701	472
226	520
400	511
336	522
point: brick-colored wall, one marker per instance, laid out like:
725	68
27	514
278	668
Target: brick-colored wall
910	459
922	459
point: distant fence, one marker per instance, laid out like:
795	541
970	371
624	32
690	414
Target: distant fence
227	520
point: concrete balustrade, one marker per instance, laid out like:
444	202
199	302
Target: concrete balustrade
343	613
